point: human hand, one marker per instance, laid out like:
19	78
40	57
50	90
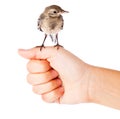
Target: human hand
57	75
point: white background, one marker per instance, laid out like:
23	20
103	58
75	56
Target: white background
91	31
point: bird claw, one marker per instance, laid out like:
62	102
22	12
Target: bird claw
58	46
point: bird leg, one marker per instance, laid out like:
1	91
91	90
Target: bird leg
42	46
57	45
51	38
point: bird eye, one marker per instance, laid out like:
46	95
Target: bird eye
55	12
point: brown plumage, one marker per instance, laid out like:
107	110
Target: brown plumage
51	22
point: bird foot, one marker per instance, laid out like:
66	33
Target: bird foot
58	46
41	47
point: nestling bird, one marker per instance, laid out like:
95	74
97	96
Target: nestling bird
51	22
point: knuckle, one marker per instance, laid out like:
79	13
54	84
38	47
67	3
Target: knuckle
38	90
47	98
34	89
29	78
29	66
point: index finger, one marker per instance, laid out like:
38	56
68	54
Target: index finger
38	66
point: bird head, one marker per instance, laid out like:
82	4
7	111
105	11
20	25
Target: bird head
54	11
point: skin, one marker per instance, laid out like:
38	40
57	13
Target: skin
59	76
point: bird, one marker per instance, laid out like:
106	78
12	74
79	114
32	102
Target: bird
51	22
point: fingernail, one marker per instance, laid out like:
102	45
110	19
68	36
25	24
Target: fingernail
21	50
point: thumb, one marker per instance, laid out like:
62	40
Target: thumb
35	53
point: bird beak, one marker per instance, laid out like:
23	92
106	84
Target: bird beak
64	11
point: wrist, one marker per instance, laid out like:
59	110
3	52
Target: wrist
104	86
94	85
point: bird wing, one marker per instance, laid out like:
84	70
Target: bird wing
62	23
41	17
